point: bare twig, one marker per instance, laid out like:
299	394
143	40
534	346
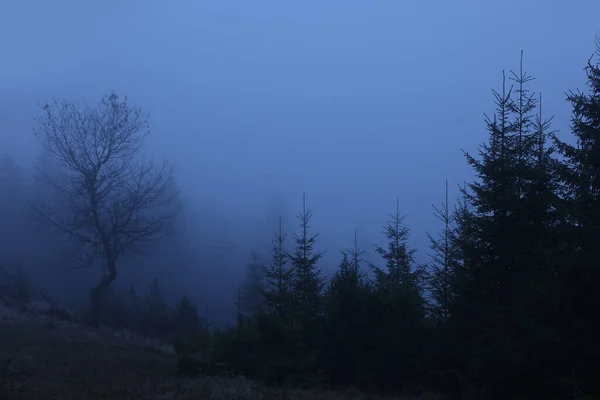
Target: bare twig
112	200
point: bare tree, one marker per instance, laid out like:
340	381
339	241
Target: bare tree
114	201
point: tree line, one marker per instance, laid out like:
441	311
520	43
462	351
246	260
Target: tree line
507	306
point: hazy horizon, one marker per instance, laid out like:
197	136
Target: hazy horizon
354	103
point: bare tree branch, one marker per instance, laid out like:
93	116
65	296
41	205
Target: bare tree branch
113	201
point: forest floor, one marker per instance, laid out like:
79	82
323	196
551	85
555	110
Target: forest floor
52	360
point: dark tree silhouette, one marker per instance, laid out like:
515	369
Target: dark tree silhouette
347	322
308	281
502	286
579	174
253	285
119	202
277	292
444	257
400	312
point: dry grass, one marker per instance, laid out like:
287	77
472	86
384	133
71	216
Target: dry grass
36	314
44	359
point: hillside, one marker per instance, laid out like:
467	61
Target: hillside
44	358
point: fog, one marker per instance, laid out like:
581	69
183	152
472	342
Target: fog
354	103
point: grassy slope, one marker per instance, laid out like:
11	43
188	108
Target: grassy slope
48	363
45	360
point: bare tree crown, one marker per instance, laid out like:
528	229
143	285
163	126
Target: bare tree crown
117	201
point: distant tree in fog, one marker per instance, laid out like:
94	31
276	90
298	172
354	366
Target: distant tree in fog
253	285
277	292
117	201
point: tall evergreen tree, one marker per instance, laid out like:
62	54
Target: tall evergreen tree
400	312
580	194
534	307
544	256
308	281
486	283
444	257
284	352
498	290
346	322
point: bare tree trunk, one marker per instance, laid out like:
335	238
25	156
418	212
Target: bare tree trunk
99	291
101	148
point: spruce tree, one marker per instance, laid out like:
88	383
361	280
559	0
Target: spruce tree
400	274
400	314
279	338
494	198
485	287
308	302
522	106
277	292
346	322
580	229
444	257
308	281
498	288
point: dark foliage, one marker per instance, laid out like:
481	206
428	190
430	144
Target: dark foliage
505	308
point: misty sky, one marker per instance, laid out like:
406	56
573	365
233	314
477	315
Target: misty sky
353	102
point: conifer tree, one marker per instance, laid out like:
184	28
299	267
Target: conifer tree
355	256
251	291
346	322
496	196
400	275
277	293
498	288
467	241
308	282
522	106
444	257
485	287
400	307
349	275
580	211
545	249
448	282
281	340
